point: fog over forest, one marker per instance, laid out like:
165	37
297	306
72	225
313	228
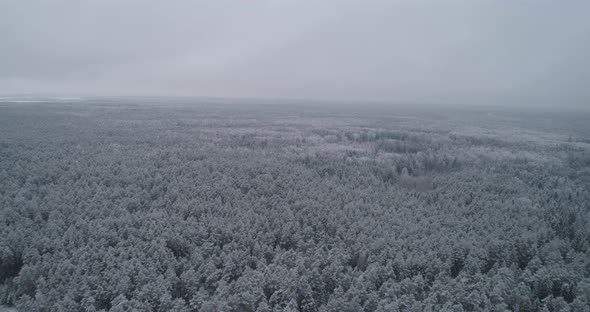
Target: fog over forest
122	204
294	155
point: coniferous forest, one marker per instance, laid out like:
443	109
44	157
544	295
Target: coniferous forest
151	205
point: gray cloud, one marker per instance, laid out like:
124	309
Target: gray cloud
420	51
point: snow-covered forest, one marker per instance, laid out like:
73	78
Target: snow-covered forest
116	205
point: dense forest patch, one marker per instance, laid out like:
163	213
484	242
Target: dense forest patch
199	207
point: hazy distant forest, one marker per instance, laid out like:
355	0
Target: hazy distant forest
121	205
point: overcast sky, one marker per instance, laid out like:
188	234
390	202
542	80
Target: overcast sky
468	52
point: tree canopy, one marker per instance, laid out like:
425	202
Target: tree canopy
123	207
